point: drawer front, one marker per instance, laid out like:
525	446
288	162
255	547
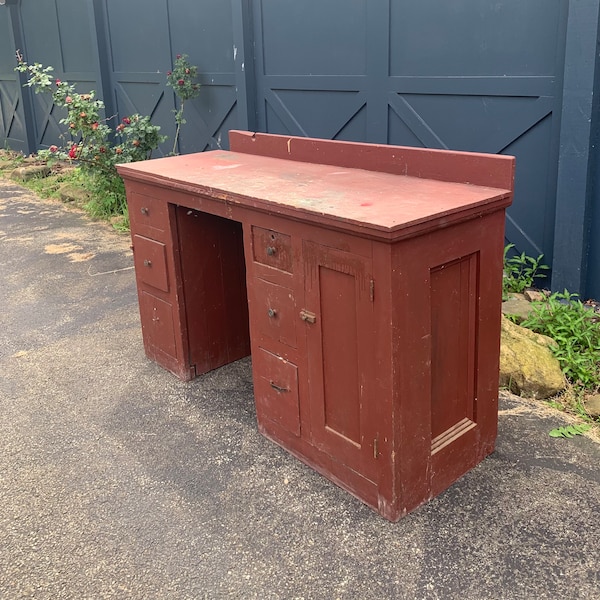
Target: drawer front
147	214
157	323
272	248
273	311
150	259
276	390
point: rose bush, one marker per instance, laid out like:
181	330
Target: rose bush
88	139
183	81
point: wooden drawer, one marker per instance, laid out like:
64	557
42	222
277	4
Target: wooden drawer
276	390
157	323
148	215
272	248
150	259
273	311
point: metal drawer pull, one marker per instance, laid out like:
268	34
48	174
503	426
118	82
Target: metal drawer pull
147	263
278	388
144	210
272	313
271	250
308	317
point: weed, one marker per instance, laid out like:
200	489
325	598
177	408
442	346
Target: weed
108	197
555	405
520	271
570	431
565	319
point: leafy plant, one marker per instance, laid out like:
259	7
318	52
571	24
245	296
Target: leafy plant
565	319
520	271
183	81
570	430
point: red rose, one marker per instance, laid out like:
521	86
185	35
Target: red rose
82	115
181	82
126	120
187	71
73	151
53	148
178	56
68	99
169	73
119	151
102	149
94	126
58	82
120	127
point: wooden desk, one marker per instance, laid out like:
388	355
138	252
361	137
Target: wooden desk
364	280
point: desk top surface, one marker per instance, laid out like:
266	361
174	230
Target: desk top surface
343	197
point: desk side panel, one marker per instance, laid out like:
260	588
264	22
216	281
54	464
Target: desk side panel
447	316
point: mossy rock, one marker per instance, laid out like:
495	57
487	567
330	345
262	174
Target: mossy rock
527	365
27	172
69	192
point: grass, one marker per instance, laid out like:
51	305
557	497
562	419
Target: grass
101	198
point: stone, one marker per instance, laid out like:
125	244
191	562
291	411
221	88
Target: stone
534	296
73	193
30	172
517	306
527	366
592	405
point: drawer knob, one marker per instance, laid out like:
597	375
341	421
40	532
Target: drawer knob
147	263
145	211
272	313
271	250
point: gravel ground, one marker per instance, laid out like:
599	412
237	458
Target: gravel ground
119	481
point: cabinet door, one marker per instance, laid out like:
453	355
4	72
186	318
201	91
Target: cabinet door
340	332
157	325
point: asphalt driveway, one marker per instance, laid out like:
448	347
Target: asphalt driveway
119	481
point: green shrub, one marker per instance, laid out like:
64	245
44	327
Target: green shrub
576	331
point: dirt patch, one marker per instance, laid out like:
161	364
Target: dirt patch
61	248
80	256
528	406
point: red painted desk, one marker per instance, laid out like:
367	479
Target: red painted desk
365	280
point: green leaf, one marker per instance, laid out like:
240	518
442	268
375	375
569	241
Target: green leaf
569	431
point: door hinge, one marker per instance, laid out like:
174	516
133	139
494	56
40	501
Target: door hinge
372	290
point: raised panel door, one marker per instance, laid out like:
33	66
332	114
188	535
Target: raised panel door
339	322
